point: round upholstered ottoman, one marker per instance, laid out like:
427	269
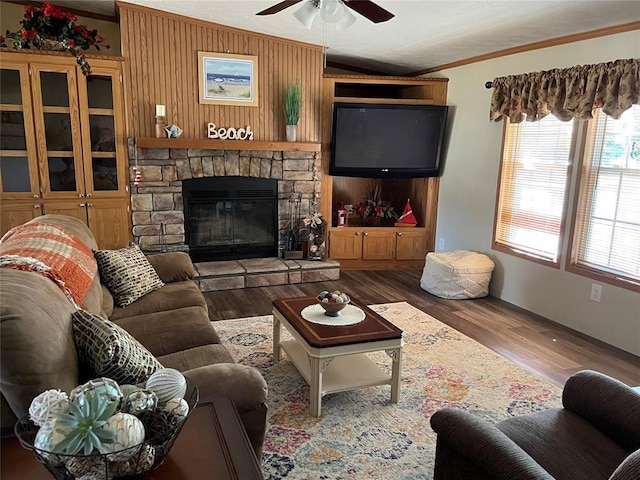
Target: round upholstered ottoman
458	275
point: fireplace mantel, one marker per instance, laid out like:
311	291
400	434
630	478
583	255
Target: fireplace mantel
212	144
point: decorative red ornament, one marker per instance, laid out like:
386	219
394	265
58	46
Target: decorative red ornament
407	218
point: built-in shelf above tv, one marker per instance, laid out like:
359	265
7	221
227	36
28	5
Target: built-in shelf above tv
213	144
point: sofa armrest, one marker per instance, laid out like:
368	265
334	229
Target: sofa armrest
246	388
243	384
608	404
472	448
173	266
629	469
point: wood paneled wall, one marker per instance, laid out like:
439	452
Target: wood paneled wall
161	52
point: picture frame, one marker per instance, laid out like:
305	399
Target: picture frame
227	79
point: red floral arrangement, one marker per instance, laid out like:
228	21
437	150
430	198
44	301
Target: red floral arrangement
49	22
375	206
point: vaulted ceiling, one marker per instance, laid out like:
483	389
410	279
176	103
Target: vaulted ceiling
423	34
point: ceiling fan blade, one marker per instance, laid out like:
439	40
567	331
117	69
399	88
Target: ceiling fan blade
370	10
278	7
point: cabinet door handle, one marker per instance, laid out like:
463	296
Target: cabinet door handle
83	204
399	234
89	195
365	234
357	234
81	195
36	196
89	204
37	205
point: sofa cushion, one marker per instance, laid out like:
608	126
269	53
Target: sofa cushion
198	357
106	308
170	297
127	274
167	332
110	351
173	266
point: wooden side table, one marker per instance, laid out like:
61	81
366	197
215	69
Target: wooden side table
212	445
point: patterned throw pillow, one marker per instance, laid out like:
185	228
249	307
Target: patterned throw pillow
127	274
110	351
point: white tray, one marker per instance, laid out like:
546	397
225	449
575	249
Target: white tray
349	315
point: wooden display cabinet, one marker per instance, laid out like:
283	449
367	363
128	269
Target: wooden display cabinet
379	247
63	146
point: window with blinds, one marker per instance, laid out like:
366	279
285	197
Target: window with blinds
606	238
532	189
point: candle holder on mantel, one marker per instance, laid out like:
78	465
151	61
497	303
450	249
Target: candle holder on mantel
161	121
161	124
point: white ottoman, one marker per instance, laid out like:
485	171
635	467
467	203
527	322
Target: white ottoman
457	275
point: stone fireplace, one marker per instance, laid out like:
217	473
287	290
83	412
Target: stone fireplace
158	209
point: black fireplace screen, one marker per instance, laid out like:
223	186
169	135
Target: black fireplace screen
230	218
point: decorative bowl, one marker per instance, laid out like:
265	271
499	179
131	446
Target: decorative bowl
161	430
333	308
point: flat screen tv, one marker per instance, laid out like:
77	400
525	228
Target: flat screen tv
382	140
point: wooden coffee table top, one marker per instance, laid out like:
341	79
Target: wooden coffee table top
212	445
372	328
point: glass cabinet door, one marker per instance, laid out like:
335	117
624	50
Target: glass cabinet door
105	176
18	159
58	130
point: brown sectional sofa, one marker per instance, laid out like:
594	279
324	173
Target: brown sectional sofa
37	344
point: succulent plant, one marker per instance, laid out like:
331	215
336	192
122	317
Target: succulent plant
83	424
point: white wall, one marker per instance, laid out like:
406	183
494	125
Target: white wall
467	198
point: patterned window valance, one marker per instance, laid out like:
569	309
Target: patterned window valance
567	93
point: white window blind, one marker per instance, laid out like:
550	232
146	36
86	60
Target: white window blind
607	235
532	191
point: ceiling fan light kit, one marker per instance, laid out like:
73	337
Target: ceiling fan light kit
332	11
307	13
346	21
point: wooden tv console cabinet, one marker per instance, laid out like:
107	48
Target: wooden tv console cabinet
387	247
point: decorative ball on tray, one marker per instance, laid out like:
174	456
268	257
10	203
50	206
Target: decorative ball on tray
333	302
104	431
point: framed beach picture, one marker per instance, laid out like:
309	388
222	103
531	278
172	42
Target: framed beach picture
228	79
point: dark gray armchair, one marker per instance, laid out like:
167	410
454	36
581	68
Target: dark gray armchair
595	436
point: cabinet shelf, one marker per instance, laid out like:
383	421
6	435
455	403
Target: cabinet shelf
407	101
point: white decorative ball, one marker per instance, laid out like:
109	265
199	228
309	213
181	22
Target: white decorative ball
48	403
178	407
49	435
129	433
167	383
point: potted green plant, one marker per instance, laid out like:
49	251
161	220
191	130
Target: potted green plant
292	107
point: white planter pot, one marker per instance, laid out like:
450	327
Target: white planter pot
292	131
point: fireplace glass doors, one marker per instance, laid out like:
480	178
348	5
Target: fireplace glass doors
229	218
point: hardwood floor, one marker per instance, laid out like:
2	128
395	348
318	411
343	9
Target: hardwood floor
541	346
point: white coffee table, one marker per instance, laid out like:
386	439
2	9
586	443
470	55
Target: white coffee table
333	358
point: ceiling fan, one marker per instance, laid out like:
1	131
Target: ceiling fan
366	8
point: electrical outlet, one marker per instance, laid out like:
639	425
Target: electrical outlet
441	244
596	292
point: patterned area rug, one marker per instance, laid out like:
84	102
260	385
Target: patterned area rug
360	434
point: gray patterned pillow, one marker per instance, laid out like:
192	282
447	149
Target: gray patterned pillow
110	351
127	274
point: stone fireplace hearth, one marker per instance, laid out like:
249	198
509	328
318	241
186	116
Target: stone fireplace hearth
157	203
